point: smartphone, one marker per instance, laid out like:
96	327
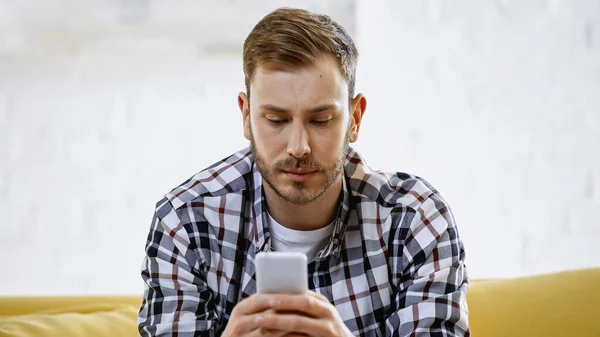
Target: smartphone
281	272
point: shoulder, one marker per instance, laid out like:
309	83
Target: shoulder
408	201
223	178
385	188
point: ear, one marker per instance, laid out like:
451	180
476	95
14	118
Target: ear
359	106
244	106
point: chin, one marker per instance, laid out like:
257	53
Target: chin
292	193
301	199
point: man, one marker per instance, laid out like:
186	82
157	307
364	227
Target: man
385	257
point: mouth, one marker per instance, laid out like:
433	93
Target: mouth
299	175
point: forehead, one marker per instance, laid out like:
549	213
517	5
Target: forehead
319	82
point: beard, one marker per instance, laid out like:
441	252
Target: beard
300	194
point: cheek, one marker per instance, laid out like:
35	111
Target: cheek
337	132
267	142
328	146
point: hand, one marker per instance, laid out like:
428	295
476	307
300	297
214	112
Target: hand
309	314
243	320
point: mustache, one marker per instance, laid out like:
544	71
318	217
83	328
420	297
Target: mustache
294	163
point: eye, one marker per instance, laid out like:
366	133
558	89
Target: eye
276	121
321	123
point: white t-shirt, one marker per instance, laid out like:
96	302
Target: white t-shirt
290	240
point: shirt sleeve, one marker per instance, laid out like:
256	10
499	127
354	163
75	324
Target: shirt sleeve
430	276
177	301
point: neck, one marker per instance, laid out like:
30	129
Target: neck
311	216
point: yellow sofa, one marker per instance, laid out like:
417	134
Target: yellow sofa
557	304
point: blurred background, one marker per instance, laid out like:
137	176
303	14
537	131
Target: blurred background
107	105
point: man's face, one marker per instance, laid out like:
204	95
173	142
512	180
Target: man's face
299	125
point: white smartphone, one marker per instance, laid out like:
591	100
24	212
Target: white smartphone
281	272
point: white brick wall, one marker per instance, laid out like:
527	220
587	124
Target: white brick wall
105	108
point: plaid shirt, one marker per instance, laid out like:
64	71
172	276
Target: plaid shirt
394	265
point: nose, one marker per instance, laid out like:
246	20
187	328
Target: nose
298	141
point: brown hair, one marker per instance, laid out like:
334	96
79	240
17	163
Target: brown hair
296	37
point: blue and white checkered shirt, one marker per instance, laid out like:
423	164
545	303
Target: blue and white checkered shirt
393	266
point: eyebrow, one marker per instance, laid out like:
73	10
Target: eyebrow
274	108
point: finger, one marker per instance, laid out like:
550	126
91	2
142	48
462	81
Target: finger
293	323
318	296
305	304
247	323
267	333
244	324
274	333
253	304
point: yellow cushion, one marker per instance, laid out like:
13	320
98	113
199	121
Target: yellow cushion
19	305
558	304
118	322
69	316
